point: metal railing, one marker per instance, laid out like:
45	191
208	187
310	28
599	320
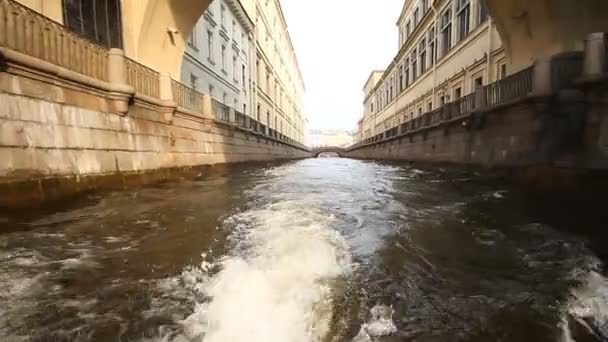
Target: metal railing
220	110
509	88
187	97
28	32
145	80
516	86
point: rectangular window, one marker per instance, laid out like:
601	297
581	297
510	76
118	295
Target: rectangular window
372	107
414	65
446	29
258	112
223	16
477	83
503	71
416	16
464	18
224	58
457	93
234	69
483	12
407	72
192	38
210	45
99	21
401	85
408	29
193	81
432	45
425	6
422	52
243	75
211	91
391	90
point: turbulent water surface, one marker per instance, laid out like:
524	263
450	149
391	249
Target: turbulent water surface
316	250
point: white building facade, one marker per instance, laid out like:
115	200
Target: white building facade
279	83
447	48
218	55
241	53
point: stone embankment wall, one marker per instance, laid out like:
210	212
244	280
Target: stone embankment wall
60	136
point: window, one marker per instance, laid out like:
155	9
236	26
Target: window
430	106
244	108
478	83
193	81
408	29
192	38
243	75
99	21
401	80
422	52
464	18
407	72
211	91
416	16
268	81
224	58
225	98
432	45
372	109
457	93
268	119
391	89
234	35
503	71
223	16
425	6
414	65
210	45
483	12
446	29
258	112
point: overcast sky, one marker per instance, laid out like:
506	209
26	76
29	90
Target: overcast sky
338	43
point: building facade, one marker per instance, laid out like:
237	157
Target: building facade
241	53
218	55
447	48
279	86
330	138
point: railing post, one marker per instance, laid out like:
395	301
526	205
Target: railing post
117	69
117	77
166	95
231	116
542	80
596	49
208	106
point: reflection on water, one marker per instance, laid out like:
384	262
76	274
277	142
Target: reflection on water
316	250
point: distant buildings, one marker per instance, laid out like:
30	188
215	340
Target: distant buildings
330	137
241	53
447	48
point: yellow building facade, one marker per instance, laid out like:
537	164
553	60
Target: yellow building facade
446	50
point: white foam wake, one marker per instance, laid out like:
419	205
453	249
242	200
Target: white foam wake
278	286
588	308
380	324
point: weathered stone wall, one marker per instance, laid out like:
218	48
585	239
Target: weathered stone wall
58	138
567	130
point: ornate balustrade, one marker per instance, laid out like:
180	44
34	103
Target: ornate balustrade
26	31
145	80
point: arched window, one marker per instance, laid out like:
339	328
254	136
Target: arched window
98	20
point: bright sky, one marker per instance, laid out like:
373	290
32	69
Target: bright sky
338	43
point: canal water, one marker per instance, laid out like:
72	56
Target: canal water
315	250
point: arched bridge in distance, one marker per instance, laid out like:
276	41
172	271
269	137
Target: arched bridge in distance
317	151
